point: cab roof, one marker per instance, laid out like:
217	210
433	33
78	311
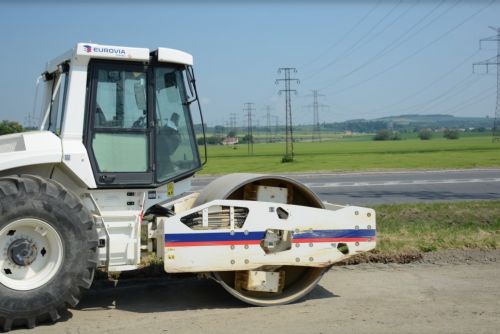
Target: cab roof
83	52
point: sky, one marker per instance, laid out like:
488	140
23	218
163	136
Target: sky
367	59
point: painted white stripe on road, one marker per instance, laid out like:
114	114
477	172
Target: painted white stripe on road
399	183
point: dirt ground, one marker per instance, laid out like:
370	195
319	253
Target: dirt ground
447	292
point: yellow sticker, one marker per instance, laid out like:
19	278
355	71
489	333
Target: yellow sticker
170	189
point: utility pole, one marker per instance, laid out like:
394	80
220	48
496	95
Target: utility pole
268	124
219	131
390	126
232	122
495	60
316	106
288	109
249	109
29	121
276	127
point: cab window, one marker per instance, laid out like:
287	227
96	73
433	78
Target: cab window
175	146
120	133
57	108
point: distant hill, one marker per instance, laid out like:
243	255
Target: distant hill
412	122
444	120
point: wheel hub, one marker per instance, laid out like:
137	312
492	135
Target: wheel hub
31	253
22	252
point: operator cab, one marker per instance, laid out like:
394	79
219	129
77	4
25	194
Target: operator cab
138	129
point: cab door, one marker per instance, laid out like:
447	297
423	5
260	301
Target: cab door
119	129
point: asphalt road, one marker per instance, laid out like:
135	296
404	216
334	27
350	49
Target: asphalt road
398	187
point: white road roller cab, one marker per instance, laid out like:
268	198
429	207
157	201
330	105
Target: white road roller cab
114	156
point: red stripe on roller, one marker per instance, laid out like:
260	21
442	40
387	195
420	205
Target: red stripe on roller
212	243
308	240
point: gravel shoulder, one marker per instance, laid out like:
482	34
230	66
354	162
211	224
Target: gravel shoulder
450	291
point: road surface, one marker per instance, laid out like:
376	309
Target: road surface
458	296
368	298
398	187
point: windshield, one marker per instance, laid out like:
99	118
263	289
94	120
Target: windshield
176	150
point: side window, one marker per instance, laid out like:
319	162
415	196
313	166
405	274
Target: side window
57	109
175	141
120	99
120	134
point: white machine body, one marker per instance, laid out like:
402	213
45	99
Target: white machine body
307	236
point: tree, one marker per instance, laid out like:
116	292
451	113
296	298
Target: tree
425	134
382	135
219	130
246	139
451	134
7	127
212	140
387	135
231	133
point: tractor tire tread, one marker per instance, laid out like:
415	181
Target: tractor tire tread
24	186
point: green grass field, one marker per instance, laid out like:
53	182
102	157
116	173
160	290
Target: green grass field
356	154
406	231
425	227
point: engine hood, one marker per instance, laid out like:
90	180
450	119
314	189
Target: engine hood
29	148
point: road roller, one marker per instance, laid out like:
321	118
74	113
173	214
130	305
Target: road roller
105	180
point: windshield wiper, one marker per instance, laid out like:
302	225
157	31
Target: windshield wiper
188	102
191	85
192	89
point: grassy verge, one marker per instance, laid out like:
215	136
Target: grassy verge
433	226
406	231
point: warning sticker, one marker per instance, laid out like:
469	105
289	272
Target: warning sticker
170	189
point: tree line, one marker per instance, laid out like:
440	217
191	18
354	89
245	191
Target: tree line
8	127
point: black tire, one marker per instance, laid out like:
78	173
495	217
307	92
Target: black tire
29	196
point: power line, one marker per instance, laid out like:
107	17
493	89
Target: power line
429	85
316	106
448	94
494	61
334	45
470	101
276	126
350	50
413	54
268	124
232	122
401	39
288	109
249	109
451	92
408	35
404	36
456	90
